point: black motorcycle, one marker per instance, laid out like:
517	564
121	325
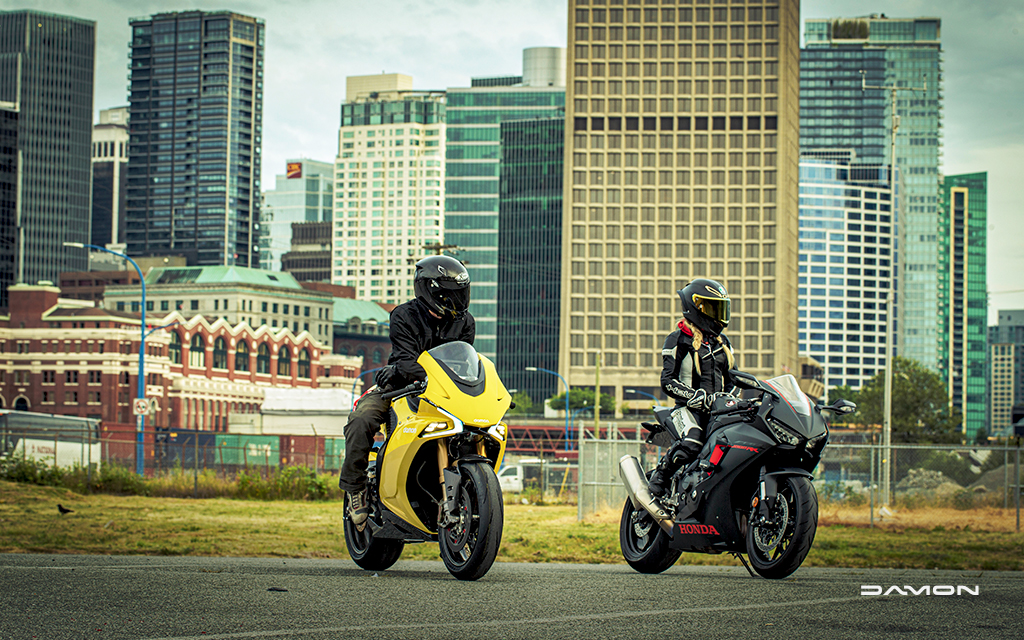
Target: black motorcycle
749	491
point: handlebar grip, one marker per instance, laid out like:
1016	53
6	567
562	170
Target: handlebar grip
391	395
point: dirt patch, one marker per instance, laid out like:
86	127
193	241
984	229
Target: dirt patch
988	519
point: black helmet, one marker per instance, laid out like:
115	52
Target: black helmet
706	306
442	283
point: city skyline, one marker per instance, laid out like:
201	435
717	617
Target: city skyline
983	47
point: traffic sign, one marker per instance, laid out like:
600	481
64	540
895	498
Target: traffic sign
140	406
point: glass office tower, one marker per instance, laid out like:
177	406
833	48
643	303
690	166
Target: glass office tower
8	196
848	261
963	287
1006	371
303	193
46	75
530	254
682	141
109	176
473	164
836	113
196	118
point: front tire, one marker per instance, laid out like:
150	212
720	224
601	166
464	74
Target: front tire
370	553
778	547
469	546
644	544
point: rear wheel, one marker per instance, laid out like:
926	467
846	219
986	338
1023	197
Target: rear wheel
372	554
469	546
644	543
778	545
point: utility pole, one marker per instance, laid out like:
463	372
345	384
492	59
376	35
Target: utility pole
891	295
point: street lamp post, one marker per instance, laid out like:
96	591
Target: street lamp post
140	418
642	393
574	417
356	381
567	417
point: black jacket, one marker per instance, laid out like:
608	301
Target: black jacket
413	330
679	375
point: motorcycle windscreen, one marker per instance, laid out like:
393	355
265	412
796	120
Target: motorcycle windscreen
461	360
788	388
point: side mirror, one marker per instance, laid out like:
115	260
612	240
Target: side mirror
744	380
842	407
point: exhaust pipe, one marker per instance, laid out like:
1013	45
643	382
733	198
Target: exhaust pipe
636	485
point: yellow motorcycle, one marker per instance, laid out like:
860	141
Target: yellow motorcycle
433	478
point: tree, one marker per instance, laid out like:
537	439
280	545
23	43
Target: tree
579	398
524	404
921	409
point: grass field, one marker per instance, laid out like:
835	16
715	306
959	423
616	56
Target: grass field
126	525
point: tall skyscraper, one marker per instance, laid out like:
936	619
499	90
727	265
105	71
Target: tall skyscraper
682	154
196	127
46	70
109	176
1006	370
389	189
848	256
837	113
530	253
963	286
475	115
8	197
304	193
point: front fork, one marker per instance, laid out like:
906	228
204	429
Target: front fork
450	479
766	495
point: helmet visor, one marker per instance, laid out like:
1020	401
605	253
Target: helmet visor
715	308
454	301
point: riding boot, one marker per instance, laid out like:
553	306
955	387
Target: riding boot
681	453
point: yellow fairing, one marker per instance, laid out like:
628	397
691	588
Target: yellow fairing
445	409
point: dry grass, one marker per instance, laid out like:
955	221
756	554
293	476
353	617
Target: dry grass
933	518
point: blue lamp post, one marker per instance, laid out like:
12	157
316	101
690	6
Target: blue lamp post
555	373
642	393
140	418
356	381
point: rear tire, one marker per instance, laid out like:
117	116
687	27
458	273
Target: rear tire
777	550
469	546
644	544
370	553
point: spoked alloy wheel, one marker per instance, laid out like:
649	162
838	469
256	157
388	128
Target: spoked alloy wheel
643	542
469	546
777	546
368	552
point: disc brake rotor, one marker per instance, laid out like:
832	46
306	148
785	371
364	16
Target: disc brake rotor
642	524
457	534
767	536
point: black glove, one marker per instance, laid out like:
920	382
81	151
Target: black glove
384	376
698	401
715	396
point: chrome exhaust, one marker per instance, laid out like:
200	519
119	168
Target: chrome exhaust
636	485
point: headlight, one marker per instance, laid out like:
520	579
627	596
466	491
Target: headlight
436	426
498	431
437	429
784	435
814	442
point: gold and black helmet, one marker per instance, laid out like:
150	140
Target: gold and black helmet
706	306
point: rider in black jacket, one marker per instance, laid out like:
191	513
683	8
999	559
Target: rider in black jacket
437	315
696	363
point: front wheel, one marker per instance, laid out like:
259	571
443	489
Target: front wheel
372	554
644	543
779	544
469	545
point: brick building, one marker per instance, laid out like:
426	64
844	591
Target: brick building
67	357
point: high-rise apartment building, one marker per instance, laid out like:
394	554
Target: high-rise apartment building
304	193
8	197
196	107
836	112
109	176
963	288
1006	370
474	161
848	257
46	71
682	157
530	253
389	185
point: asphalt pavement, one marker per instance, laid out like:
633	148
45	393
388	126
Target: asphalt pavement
72	596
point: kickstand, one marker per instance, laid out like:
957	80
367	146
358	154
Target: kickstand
739	557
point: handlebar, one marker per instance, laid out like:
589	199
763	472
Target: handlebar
404	391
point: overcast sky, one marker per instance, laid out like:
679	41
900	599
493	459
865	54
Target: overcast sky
312	45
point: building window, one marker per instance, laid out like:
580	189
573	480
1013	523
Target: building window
284	362
263	359
197	352
304	363
378	356
70	377
174	349
242	356
220	354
